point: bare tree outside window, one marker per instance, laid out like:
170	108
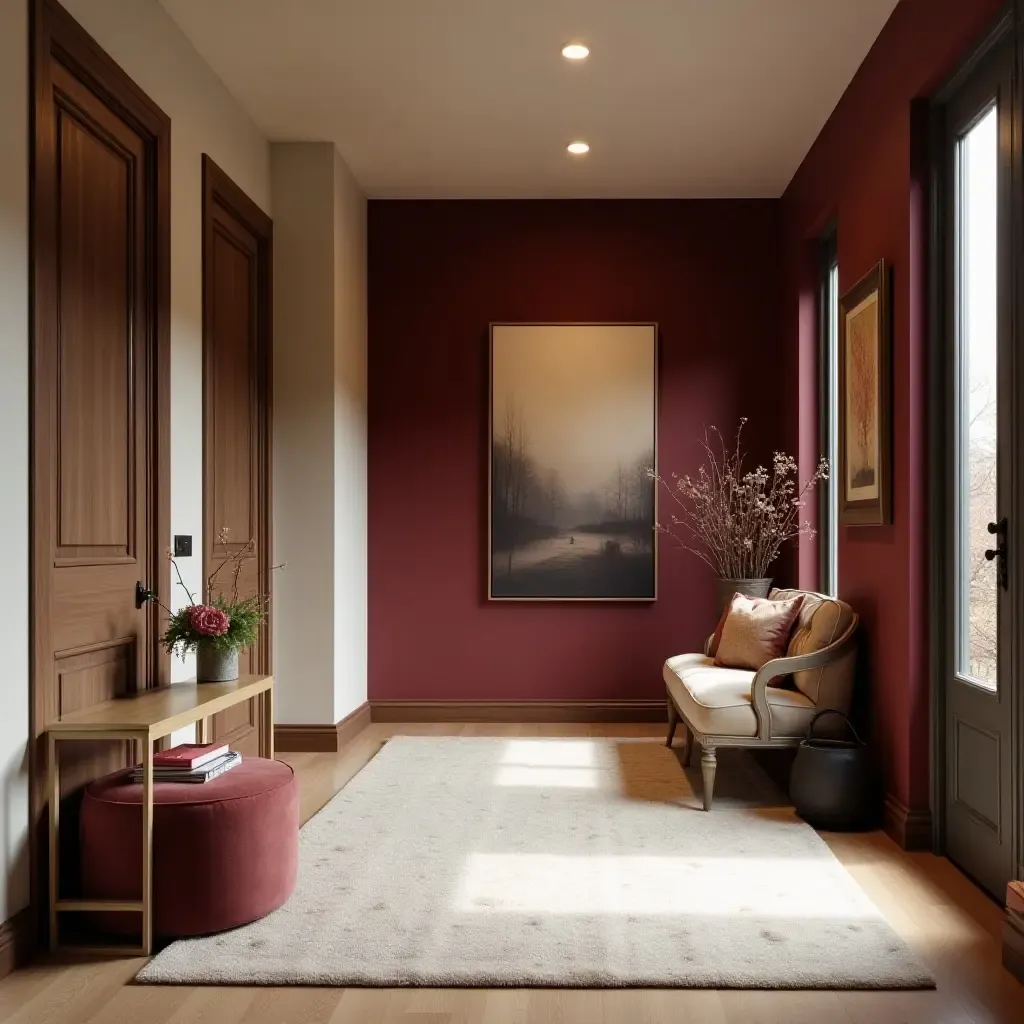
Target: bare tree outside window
981	504
979	412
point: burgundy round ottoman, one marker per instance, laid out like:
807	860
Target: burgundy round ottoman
225	852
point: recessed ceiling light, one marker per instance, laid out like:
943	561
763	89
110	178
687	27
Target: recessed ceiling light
578	148
575	51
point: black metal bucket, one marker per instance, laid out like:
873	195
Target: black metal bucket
834	784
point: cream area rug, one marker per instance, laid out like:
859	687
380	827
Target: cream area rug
556	862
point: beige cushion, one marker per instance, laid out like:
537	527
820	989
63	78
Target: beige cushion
756	631
821	622
716	701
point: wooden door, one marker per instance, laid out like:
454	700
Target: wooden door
237	239
100	480
982	589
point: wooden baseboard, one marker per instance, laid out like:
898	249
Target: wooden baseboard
306	738
16	941
909	830
353	724
322	738
330	738
501	711
1013	944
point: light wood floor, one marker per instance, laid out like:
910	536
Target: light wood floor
947	921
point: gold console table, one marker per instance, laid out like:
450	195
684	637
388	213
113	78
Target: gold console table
143	718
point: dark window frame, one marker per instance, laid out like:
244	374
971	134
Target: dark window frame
828	427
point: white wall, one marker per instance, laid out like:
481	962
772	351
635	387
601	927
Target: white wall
319	434
14	454
144	40
350	574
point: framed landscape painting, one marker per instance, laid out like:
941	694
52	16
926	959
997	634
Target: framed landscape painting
573	434
865	420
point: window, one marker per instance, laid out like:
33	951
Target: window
977	189
828	512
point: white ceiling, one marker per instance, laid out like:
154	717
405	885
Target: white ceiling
472	98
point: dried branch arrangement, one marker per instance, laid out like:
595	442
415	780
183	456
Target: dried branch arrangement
737	521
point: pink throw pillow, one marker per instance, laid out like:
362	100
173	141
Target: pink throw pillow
756	630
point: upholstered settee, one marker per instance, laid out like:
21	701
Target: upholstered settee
772	707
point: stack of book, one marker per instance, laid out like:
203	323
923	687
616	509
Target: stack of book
191	762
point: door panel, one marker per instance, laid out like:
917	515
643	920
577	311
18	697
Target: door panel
96	449
99	399
979	682
977	779
234	407
238	726
83	679
236	386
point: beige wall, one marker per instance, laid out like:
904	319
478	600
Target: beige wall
144	40
303	190
319	434
350	573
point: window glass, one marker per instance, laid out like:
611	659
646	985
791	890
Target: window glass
977	398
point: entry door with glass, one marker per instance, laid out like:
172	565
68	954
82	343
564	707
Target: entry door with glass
981	598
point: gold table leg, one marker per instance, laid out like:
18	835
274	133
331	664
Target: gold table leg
267	725
53	791
147	847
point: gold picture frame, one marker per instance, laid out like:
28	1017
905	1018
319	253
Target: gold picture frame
572	432
865	401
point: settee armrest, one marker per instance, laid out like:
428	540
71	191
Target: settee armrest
787	666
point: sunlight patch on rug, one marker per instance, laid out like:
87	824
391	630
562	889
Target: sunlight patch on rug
635	884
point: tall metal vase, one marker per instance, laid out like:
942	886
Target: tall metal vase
215	665
724	589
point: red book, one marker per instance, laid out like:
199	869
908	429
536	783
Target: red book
189	755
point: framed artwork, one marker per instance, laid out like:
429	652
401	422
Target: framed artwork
573	433
865	401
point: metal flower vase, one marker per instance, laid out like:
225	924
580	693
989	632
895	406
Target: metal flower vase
215	664
724	589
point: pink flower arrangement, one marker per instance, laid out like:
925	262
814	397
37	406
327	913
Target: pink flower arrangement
208	620
218	620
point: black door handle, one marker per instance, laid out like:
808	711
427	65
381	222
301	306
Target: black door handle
143	595
999	552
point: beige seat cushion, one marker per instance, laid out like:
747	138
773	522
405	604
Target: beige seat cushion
716	700
821	622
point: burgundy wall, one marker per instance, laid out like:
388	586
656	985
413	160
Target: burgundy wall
711	274
868	171
707	271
